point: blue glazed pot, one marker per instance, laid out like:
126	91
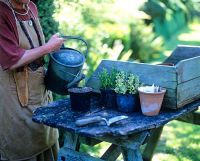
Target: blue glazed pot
127	102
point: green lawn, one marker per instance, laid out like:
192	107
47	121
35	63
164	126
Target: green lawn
179	141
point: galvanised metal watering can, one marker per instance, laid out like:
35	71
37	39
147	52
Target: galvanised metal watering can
65	68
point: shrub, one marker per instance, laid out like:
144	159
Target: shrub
46	10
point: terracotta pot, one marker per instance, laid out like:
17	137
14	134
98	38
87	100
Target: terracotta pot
151	102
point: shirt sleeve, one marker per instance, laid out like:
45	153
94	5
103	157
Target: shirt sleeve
10	51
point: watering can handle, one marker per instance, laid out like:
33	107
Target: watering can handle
78	38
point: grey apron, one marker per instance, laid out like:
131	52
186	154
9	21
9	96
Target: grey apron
20	137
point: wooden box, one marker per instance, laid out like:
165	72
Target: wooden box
182	80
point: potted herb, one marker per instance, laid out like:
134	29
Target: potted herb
127	91
107	86
151	98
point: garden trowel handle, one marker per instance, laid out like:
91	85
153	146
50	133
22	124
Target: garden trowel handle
86	121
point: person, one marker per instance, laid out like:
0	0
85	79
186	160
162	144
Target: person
22	90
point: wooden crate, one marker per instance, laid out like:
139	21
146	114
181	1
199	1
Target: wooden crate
182	80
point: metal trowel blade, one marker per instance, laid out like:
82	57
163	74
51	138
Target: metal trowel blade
116	119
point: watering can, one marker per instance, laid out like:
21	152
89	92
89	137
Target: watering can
65	67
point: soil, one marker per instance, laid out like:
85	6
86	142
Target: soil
80	89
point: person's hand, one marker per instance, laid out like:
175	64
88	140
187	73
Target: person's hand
55	42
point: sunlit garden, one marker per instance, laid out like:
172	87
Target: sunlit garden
144	31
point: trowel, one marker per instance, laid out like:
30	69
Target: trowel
95	119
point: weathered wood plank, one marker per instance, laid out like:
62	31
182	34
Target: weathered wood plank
170	99
171	93
152	143
188	91
66	154
183	52
161	75
112	153
59	115
192	118
188	69
131	142
170	103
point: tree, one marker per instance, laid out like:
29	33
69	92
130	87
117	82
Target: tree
46	10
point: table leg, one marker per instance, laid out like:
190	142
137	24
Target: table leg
131	154
71	141
130	145
112	153
70	150
152	143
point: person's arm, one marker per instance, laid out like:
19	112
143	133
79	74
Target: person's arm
30	55
11	54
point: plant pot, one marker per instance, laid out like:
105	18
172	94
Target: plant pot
108	98
80	98
151	102
127	102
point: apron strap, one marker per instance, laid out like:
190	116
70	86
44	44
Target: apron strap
26	33
37	32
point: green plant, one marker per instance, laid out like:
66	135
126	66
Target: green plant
107	80
133	83
120	83
126	83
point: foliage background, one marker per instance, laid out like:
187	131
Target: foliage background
115	29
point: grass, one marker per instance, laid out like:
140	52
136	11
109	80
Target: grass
179	141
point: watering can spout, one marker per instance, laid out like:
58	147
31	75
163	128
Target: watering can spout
75	81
